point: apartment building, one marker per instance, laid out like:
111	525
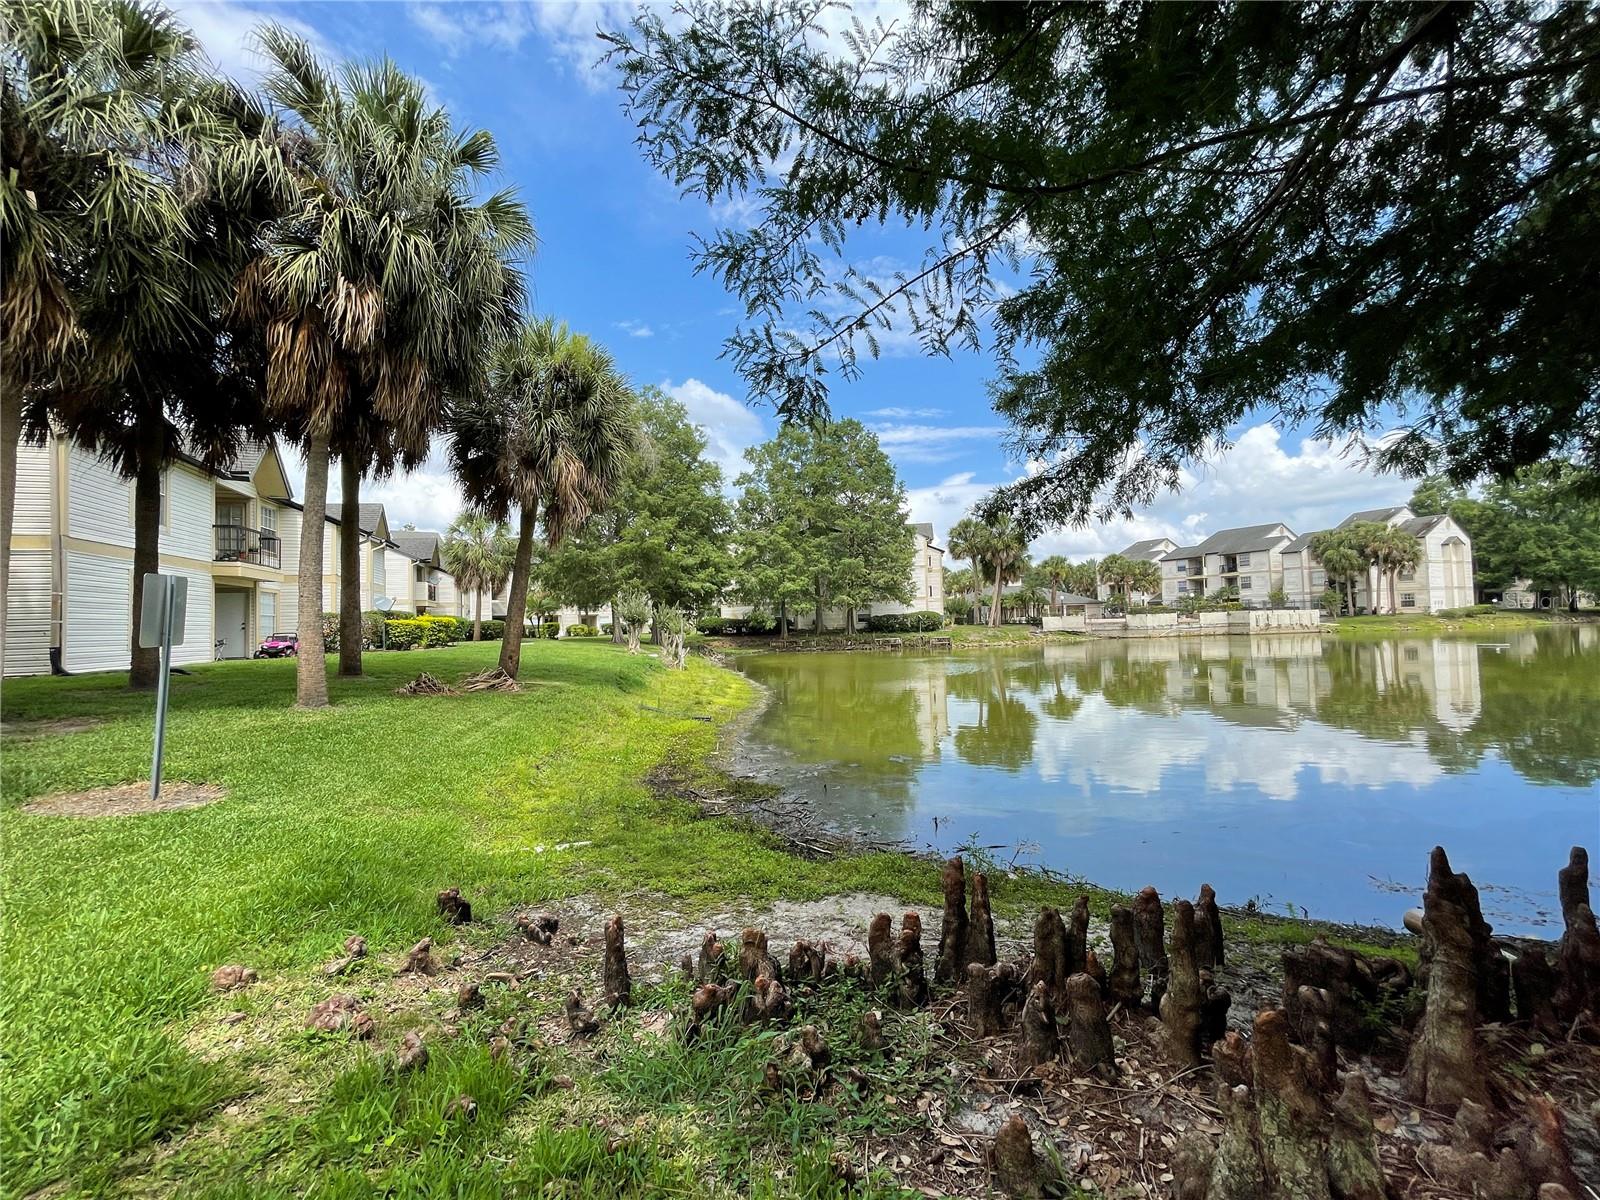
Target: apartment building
234	533
1149	550
1442	577
1249	558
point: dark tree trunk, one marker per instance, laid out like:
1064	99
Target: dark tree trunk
144	665
311	669
10	435
349	565
517	601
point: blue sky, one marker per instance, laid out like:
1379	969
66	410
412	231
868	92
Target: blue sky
613	261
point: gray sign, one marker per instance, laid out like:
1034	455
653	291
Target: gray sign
157	593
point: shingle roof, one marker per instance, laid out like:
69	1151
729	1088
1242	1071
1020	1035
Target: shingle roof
1247	537
1303	542
1181	552
1417	526
367	518
1149	550
1071	599
420	544
1381	515
925	528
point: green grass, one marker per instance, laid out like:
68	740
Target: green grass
119	1076
1474	620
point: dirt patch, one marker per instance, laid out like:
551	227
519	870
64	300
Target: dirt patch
125	800
50	727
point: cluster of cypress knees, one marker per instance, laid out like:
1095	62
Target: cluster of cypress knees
1294	1125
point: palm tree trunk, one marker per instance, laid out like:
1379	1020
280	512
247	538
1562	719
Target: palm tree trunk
477	614
1394	575
349	565
994	613
10	435
1052	597
311	668
144	665
517	602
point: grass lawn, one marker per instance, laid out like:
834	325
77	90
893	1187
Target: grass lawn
122	1075
1468	620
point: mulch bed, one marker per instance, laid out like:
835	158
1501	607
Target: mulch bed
125	800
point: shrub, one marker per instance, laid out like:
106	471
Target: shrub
916	622
1475	610
578	629
713	626
608	628
372	629
760	622
405	633
548	629
437	630
330	632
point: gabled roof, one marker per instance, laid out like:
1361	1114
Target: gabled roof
1417	526
1303	542
1245	538
1179	553
1149	550
1072	599
925	528
1381	515
368	518
420	544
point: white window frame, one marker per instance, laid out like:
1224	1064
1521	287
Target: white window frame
269	519
1246	582
1408	599
1244	559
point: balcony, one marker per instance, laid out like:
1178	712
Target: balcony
241	544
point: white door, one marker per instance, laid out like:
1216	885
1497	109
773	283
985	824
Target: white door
232	612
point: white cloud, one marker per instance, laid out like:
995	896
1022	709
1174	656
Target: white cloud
1311	486
227	31
931	443
568	30
897	413
428	497
730	427
636	329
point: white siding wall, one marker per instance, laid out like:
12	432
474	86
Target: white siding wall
99	614
27	631
400	579
191	510
99	503
32	514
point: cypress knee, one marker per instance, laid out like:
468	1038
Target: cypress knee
711	966
987	989
1017	1169
1444	1067
1088	1032
618	984
980	924
880	949
1206	910
951	964
1040	1043
911	978
1124	980
1050	951
1150	938
1180	1006
1078	936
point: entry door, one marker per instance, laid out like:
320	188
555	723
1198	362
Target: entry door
232	612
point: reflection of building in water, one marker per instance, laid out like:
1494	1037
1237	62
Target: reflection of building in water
1448	672
931	689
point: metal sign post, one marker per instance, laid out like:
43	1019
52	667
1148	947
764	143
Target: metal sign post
163	612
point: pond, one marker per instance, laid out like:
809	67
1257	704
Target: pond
1310	774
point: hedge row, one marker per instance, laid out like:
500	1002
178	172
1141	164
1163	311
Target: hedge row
758	623
916	622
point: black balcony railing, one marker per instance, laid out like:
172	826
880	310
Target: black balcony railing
240	543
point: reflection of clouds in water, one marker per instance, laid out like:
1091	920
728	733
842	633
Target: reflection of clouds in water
1106	746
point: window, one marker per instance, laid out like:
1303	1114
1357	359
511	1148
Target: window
1246	582
1408	574
166	500
1411	654
1183	568
1244	560
1318	578
1408	599
1183	588
269	519
930	589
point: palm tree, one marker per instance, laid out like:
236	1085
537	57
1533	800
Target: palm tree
132	187
1392	549
1144	577
1116	573
477	551
1084	578
964	541
1002	548
379	292
1055	570
1341	559
551	427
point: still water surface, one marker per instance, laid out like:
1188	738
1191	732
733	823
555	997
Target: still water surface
1311	774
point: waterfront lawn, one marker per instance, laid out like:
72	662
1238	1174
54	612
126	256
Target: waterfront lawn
1478	619
124	1075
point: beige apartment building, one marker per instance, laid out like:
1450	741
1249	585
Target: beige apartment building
233	533
1249	558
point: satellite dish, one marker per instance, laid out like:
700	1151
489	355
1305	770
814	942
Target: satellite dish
383	603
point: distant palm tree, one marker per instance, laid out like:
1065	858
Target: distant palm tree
1084	578
1144	577
1392	550
1116	572
551	429
1003	548
1055	570
477	551
1341	559
380	291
